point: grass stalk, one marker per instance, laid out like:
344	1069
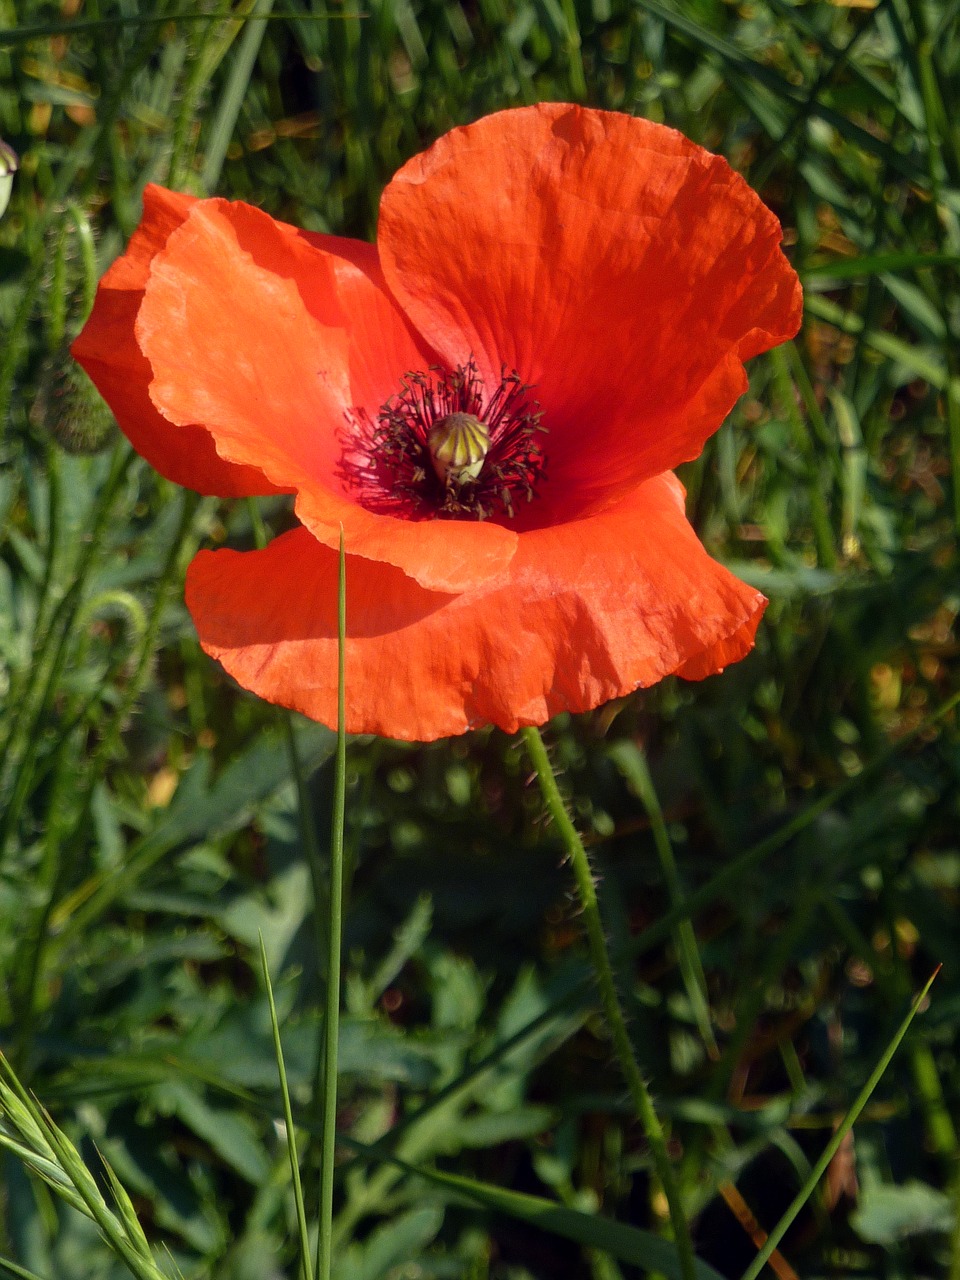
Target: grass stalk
306	1266
47	1151
310	844
334	943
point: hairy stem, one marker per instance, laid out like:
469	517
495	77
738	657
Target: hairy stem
612	1008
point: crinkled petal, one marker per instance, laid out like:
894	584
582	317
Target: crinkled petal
108	351
586	612
623	271
273	359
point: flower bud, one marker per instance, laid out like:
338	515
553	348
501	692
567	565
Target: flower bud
9	164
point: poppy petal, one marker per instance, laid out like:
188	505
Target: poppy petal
619	268
108	351
278	359
346	291
586	612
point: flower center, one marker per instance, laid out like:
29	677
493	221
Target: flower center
442	448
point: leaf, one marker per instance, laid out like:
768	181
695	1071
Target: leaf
198	811
491	1128
277	918
394	1243
623	1242
230	1134
887	1214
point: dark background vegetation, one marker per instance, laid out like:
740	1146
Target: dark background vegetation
149	813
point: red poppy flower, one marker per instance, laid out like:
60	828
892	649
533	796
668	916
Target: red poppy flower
488	401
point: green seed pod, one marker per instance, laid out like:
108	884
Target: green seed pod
458	444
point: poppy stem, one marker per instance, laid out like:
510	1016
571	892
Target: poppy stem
609	998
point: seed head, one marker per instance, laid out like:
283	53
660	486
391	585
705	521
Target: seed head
458	444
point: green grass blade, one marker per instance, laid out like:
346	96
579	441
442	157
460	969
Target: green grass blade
771	79
833	1146
306	1264
726	879
917	362
125	1207
13	1269
225	120
46	1168
874	264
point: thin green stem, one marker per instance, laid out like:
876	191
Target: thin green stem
612	1008
88	255
334	934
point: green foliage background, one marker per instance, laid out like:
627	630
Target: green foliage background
152	817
